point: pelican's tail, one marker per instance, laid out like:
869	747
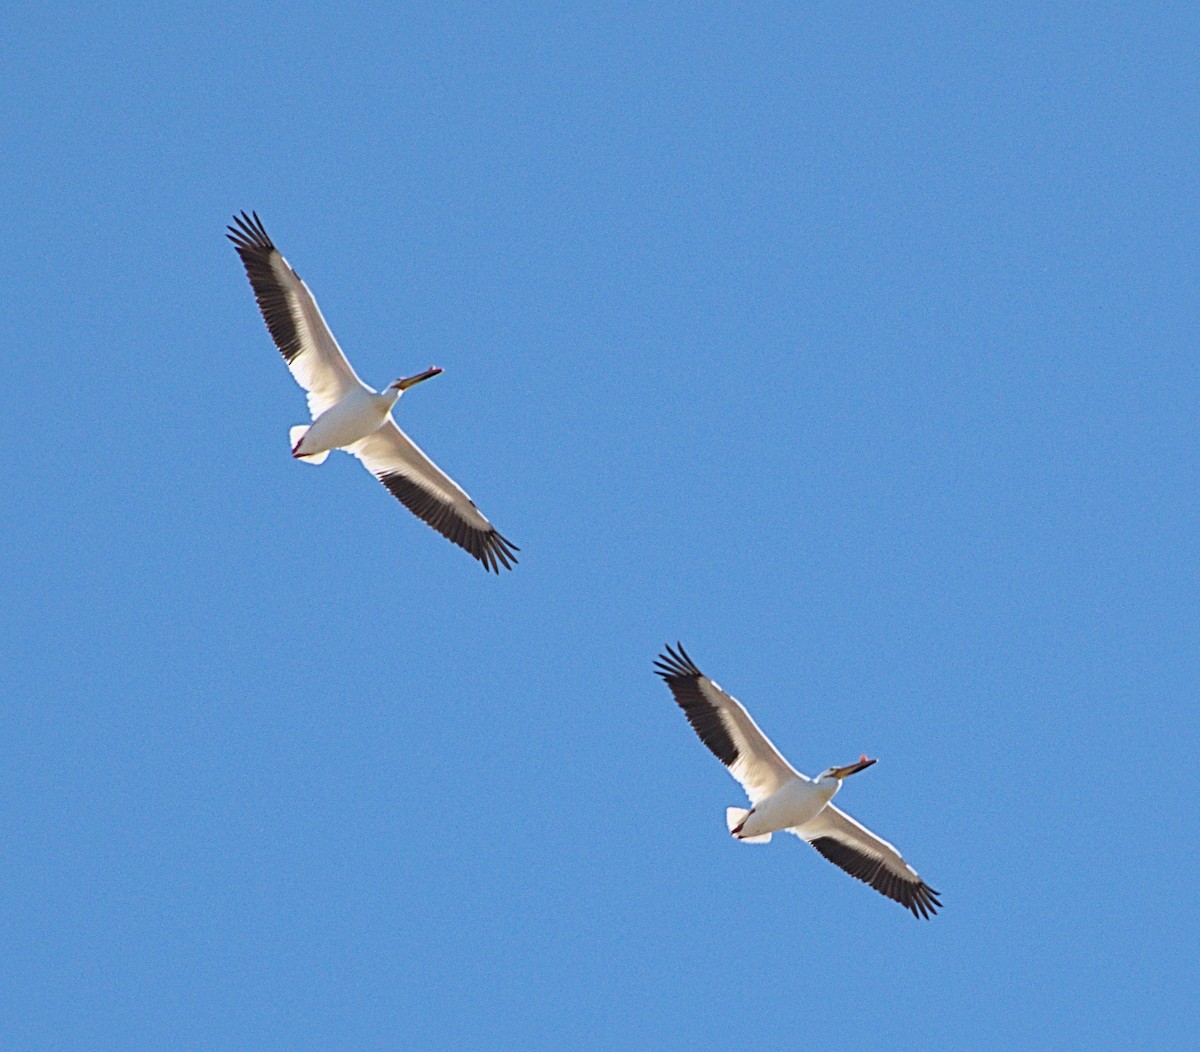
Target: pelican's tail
297	436
735	817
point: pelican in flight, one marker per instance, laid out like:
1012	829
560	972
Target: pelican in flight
349	415
783	799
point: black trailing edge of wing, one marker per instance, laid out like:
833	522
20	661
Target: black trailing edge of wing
488	546
914	895
680	673
254	246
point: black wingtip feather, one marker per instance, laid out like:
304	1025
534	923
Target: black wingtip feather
255	248
674	662
915	896
490	547
680	673
248	232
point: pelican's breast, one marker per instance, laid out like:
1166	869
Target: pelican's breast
794	804
353	418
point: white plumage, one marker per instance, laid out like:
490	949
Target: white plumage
347	414
781	798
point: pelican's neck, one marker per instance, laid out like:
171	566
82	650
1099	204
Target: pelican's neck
828	787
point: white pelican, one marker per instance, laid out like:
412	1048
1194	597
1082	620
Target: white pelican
349	415
783	799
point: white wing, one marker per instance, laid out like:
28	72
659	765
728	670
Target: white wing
868	858
293	318
432	495
725	727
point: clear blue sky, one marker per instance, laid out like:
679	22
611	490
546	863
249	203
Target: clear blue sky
855	347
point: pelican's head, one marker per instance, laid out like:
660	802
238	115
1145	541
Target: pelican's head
838	773
398	387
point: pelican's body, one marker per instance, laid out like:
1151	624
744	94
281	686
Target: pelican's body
781	798
792	806
349	415
361	412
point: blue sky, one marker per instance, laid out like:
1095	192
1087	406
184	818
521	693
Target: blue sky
855	347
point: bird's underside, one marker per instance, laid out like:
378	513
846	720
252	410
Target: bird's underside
781	797
319	366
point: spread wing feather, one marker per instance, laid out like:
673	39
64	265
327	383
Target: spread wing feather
293	318
432	495
723	724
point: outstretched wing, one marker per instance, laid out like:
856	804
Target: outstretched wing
432	495
870	859
725	727
293	318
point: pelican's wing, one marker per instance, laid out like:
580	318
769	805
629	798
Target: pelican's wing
430	494
725	727
868	858
292	316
